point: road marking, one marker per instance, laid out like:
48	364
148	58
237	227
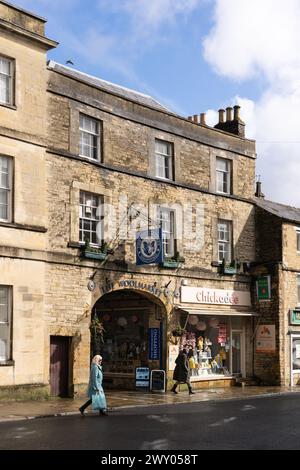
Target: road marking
223	421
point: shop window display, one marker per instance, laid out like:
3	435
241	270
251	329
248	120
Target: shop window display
124	345
207	341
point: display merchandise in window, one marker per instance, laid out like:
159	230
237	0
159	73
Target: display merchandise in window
124	342
207	341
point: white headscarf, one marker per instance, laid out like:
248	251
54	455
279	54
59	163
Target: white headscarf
96	359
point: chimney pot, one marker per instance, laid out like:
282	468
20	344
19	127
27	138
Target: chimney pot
190	118
196	118
202	119
221	115
236	113
229	114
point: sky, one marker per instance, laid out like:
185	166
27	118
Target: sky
197	56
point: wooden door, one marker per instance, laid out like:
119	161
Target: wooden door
59	366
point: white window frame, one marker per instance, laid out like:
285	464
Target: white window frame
91	134
225	241
10	78
168	216
164	161
8	189
98	227
298	289
293	371
7	324
223	176
298	239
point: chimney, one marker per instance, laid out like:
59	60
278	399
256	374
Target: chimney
202	119
234	124
259	192
221	116
229	114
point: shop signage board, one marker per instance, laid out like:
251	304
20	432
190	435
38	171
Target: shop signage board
295	317
263	288
154	344
142	377
173	353
158	381
149	247
265	339
200	295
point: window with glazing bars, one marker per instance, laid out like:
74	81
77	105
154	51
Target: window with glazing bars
167	223
5	189
89	138
5	323
163	159
223	176
6	81
224	241
298	239
90	228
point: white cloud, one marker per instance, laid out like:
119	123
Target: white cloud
258	39
152	13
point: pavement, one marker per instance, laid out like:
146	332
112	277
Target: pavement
119	399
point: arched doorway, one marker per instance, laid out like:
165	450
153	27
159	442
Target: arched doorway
134	335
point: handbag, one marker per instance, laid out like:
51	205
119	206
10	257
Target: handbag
99	401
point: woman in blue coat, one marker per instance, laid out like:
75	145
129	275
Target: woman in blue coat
95	391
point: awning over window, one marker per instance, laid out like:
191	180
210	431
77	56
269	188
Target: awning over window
223	313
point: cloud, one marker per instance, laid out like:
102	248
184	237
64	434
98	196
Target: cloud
151	14
254	39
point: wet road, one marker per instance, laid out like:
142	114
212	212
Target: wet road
261	423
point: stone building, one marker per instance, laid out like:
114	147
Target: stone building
23	209
97	181
278	245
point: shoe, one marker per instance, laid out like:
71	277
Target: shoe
103	412
191	392
173	389
81	411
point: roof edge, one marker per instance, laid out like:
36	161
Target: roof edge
29	13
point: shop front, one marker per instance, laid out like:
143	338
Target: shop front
131	335
215	327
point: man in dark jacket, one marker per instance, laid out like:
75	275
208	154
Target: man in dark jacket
182	372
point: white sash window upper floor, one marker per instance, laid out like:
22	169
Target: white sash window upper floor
223	176
224	241
5	323
90	138
5	189
6	81
164	156
90	227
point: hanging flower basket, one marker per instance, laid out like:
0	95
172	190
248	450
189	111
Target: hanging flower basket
97	329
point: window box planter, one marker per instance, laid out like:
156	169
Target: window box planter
173	263
94	255
230	268
170	264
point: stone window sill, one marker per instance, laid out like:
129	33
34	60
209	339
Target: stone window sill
9	106
7	363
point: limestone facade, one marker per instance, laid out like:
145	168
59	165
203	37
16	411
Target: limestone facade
40	253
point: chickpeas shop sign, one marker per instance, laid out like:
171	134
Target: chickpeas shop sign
200	295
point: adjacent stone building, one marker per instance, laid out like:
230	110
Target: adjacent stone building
278	244
126	230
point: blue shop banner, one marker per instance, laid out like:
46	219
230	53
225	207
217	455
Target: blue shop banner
154	344
149	247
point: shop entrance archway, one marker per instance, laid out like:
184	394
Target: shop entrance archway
128	329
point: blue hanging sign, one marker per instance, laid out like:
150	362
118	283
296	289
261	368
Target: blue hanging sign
149	247
154	344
